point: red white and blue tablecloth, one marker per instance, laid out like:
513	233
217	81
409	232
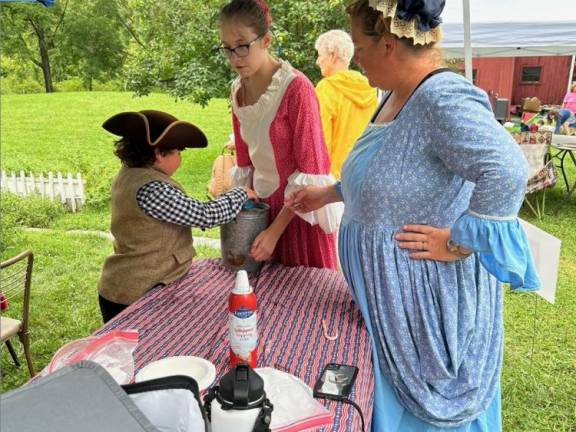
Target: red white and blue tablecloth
190	317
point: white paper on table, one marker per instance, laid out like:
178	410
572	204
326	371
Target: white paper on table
546	254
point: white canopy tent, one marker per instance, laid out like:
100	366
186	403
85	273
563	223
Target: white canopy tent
501	38
520	39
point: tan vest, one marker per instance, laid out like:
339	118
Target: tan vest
146	251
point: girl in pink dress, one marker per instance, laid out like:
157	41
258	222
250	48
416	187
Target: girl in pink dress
278	137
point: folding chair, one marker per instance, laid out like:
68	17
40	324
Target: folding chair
563	146
536	147
15	279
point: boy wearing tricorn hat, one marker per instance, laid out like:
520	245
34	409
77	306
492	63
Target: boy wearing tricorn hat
151	215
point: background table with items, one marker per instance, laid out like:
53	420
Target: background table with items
299	310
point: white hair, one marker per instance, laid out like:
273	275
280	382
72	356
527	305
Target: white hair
338	42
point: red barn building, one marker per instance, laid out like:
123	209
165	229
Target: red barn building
515	78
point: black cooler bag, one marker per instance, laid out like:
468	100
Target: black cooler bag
84	397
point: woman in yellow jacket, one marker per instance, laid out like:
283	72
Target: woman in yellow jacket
346	99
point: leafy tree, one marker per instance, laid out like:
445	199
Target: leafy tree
172	49
173	41
161	46
73	38
93	41
296	26
31	33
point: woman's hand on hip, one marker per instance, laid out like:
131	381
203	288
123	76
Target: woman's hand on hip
264	245
426	242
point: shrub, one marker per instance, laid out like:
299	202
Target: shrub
98	193
13	85
98	181
76	84
70	85
30	211
9	232
112	85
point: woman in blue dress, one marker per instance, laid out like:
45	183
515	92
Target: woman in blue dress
430	230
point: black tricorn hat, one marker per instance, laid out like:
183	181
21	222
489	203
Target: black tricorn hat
157	129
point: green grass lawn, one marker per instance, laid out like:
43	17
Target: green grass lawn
64	301
62	132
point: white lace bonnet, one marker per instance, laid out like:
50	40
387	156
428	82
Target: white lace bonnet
411	28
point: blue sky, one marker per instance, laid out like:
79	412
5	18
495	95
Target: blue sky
512	10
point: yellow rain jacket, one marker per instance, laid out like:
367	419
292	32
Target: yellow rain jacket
346	104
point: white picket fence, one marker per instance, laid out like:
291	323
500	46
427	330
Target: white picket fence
64	188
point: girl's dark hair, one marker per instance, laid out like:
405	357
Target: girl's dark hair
252	13
137	155
375	25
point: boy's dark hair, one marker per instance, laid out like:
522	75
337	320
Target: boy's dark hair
252	13
137	155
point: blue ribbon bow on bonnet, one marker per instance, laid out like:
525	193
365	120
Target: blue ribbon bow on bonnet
426	12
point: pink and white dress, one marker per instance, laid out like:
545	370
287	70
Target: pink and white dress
280	146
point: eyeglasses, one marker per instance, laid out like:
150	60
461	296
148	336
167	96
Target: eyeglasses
240	50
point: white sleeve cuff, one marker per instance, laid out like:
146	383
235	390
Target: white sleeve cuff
329	216
241	176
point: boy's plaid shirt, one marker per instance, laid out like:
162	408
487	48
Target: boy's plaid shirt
164	202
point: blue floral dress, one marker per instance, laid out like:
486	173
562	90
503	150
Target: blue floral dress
436	326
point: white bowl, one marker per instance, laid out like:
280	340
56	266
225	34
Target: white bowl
202	370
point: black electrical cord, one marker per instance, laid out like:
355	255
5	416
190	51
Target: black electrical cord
349	402
355	405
